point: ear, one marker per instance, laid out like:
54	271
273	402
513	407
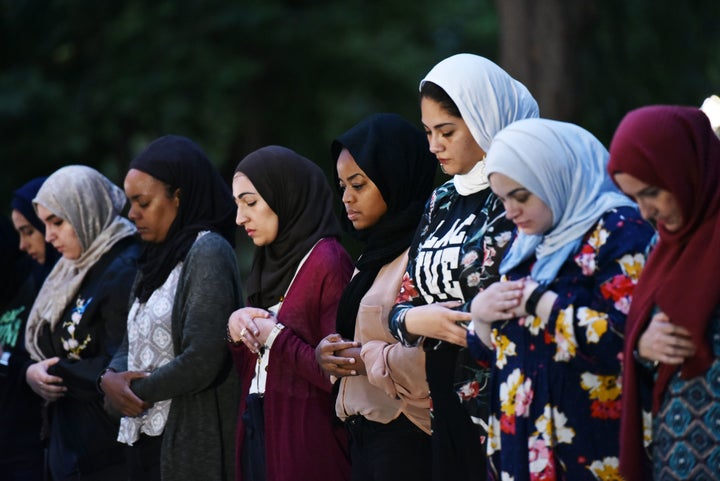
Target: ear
176	197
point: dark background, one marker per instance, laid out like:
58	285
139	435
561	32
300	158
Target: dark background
91	82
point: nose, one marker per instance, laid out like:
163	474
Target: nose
434	142
511	212
132	213
346	196
240	218
646	210
49	234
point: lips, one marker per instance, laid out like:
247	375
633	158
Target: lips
352	215
250	232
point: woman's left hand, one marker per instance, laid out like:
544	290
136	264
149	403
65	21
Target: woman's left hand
251	326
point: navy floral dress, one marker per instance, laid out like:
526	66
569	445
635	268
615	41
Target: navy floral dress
556	388
455	253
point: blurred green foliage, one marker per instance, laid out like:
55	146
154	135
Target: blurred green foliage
92	82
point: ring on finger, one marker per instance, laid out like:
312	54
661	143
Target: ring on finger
243	332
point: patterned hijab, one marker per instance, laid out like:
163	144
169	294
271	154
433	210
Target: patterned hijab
675	149
565	166
22	201
298	192
488	99
92	204
395	156
205	204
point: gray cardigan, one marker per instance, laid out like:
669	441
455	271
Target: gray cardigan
199	437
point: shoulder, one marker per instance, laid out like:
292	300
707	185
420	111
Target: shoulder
328	248
124	255
621	229
625	221
209	255
328	256
209	246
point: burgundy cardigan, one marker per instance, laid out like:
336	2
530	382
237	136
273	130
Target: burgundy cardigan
303	438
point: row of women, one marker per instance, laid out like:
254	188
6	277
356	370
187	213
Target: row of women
548	313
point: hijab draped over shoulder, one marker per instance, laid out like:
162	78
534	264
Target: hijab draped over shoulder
565	166
395	156
488	99
298	192
675	149
205	204
92	204
22	201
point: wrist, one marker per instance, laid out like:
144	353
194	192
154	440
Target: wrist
645	362
533	299
100	378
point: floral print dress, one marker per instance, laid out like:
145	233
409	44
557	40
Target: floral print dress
455	253
556	388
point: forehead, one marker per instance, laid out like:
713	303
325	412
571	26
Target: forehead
432	112
241	184
501	183
629	183
137	181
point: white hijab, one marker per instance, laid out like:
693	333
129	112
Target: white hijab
565	166
92	204
488	99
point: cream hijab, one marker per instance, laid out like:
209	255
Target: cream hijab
488	99
91	203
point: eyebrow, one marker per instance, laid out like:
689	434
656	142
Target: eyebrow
439	126
243	194
515	191
353	176
51	218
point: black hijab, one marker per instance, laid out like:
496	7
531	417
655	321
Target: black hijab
22	201
205	204
396	157
14	263
298	192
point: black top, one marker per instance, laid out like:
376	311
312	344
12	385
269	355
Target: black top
82	434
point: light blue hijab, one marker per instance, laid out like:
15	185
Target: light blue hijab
565	166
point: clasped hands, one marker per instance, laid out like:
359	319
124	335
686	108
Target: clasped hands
339	357
665	342
251	326
45	385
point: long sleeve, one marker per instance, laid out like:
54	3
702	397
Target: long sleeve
106	316
208	292
309	313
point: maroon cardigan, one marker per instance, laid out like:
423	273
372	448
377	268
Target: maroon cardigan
303	438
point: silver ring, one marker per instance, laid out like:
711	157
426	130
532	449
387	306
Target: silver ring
243	332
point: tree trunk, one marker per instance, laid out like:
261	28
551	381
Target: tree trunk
541	45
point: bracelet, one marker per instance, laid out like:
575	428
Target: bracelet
534	298
644	362
99	379
230	339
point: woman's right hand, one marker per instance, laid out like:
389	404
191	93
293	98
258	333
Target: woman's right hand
438	321
116	386
45	385
498	302
242	327
333	365
665	342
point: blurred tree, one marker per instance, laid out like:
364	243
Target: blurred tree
93	82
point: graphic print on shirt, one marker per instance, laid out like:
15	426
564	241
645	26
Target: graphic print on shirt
10	323
439	259
72	345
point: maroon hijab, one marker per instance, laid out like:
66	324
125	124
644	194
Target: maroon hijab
673	148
